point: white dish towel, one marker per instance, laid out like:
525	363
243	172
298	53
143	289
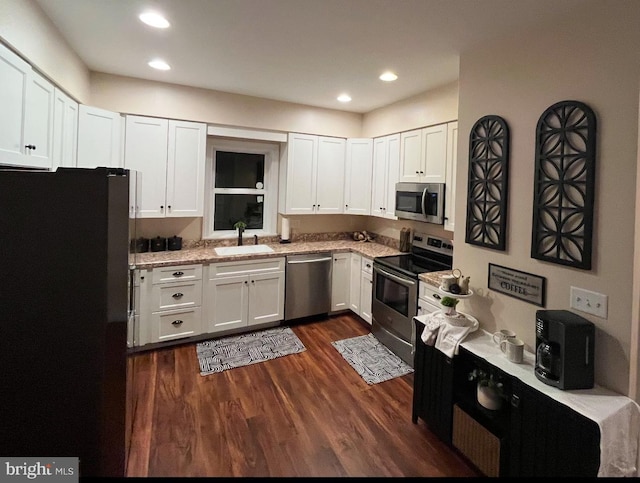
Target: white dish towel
450	336
432	324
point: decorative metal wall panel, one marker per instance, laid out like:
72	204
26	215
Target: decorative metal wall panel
564	185
488	183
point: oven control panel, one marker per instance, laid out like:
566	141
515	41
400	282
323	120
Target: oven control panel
434	243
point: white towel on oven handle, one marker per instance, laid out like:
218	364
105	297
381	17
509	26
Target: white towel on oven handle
450	336
432	324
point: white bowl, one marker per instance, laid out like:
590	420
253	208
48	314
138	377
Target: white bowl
458	320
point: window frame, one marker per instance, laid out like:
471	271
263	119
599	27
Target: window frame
271	152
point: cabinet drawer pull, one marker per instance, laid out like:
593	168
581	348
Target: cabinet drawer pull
31	146
178	274
437	296
177	295
176	322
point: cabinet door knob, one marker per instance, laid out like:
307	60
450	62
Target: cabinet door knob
177	322
177	295
417	172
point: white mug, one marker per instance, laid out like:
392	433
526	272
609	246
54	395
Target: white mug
503	334
513	348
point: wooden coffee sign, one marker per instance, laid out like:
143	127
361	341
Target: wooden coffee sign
521	285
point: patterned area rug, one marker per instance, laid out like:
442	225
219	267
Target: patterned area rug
241	350
371	359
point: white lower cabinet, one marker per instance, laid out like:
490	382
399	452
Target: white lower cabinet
244	294
133	324
355	279
170	303
175	324
360	286
366	288
428	299
340	281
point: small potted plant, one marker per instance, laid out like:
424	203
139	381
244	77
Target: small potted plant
489	389
450	304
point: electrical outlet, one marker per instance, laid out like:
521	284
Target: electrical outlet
590	302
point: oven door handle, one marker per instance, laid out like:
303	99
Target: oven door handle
402	281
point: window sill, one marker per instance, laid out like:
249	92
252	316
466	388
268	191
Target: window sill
246	235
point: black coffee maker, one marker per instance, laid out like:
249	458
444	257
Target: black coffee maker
565	344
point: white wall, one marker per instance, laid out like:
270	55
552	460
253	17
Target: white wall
149	98
591	57
25	28
431	107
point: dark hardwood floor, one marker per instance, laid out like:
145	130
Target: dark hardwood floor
303	415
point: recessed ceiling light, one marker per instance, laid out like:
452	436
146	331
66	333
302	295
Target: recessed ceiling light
344	98
388	77
159	64
154	19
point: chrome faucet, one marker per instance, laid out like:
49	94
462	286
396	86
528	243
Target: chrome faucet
255	239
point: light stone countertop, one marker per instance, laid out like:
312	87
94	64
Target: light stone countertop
433	278
208	254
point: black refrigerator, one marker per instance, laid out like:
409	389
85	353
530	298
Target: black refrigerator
64	305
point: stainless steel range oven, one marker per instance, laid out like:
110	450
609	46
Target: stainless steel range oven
395	291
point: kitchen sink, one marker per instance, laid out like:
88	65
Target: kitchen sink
243	250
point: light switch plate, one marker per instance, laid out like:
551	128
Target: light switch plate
590	302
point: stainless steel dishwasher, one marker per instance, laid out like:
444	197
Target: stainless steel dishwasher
307	285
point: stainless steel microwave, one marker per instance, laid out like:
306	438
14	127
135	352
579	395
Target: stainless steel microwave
420	202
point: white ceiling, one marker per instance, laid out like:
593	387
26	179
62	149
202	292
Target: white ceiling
303	51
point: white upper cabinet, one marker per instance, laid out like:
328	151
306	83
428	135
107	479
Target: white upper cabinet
423	155
39	121
299	166
26	124
100	138
450	188
145	150
65	131
185	168
312	175
358	168
171	157
386	168
330	175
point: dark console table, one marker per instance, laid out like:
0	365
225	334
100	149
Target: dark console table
539	431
